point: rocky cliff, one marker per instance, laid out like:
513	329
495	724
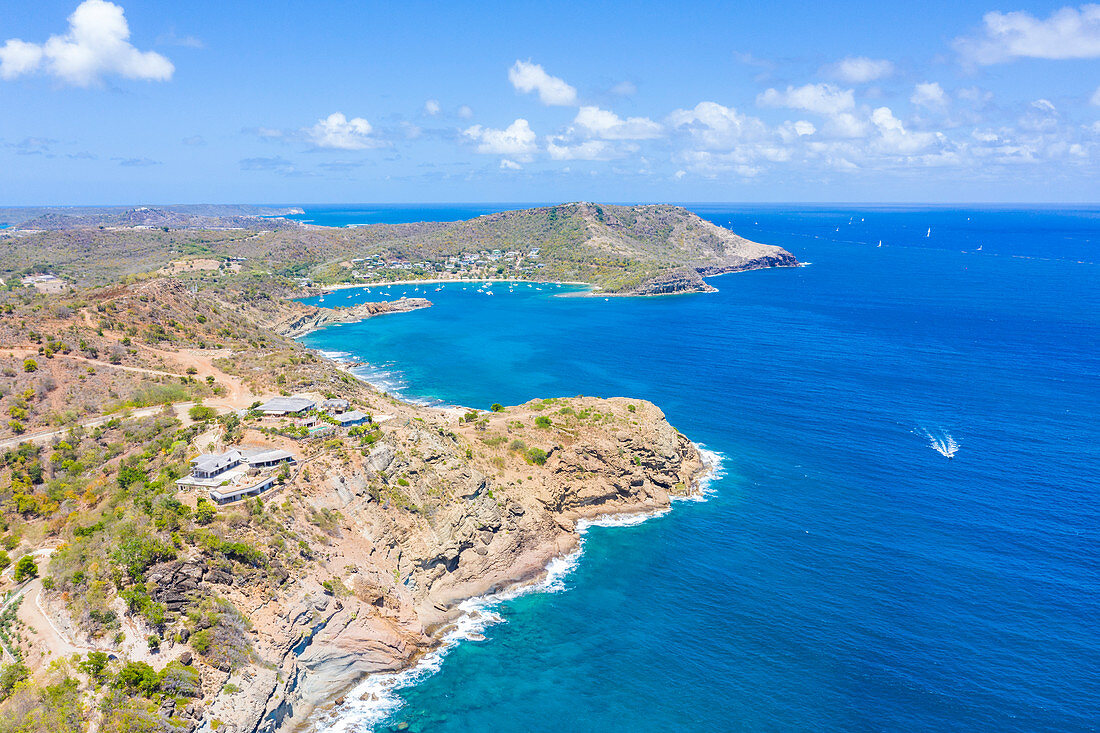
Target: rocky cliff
444	508
298	319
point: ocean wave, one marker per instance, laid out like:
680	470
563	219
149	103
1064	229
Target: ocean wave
386	378
714	464
376	699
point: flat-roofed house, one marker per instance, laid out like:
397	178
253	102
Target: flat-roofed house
354	417
269	458
235	473
279	406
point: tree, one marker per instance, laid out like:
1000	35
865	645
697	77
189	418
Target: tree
497	407
94	665
139	677
25	569
542	421
10	676
30	365
204	511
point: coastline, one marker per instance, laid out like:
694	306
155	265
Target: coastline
319	289
369	699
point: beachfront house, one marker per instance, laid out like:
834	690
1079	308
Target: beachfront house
347	419
284	406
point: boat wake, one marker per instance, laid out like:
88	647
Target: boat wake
941	441
376	699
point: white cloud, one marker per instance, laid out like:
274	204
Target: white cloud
588	150
96	45
1094	100
824	99
527	77
929	94
860	69
18	58
714	126
465	112
518	139
431	107
894	138
1069	33
509	165
846	124
624	89
790	131
607	125
337	131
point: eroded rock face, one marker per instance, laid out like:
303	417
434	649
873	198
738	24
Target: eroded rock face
439	510
299	319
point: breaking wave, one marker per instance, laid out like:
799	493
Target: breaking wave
376	699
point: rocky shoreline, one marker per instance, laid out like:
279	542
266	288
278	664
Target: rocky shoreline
513	547
302	319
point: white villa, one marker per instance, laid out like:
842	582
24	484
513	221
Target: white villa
283	406
236	473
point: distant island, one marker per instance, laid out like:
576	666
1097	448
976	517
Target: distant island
636	250
218	528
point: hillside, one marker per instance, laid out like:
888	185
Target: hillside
140	604
177	217
619	249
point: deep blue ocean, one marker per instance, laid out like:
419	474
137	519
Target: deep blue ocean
844	574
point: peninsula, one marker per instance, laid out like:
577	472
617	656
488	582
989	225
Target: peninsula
208	526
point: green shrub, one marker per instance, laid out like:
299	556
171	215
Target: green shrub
95	665
205	512
542	421
138	677
537	456
30	365
11	675
497	407
25	569
202	412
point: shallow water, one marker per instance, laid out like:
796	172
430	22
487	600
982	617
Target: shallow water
845	574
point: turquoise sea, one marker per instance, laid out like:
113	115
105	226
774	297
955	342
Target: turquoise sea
843	573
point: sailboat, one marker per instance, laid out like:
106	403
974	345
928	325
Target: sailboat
979	248
929	234
880	243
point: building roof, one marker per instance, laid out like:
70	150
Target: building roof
353	416
275	454
215	462
287	404
336	402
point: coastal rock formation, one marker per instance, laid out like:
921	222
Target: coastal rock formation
299	319
442	510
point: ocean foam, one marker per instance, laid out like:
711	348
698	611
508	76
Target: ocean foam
375	699
940	441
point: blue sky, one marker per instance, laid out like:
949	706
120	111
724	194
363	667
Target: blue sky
156	102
